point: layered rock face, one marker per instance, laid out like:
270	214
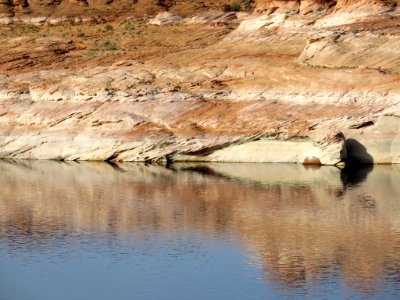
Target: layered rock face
56	11
308	6
51	11
282	85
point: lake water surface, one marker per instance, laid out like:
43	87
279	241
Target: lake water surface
198	231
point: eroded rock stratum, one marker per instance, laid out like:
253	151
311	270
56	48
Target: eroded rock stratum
278	81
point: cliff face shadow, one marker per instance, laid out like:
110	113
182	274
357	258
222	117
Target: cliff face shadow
358	164
355	153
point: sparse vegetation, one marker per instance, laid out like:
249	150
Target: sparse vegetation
128	26
247	4
108	45
92	52
26	29
238	5
235	6
133	37
71	21
109	28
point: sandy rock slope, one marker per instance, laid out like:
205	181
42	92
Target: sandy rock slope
312	82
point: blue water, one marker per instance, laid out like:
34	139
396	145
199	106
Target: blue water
224	231
215	270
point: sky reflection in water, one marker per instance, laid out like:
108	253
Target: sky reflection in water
198	231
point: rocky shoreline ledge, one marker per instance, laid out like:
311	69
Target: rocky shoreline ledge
275	83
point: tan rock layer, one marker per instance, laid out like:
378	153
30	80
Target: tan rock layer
129	114
230	87
309	6
109	9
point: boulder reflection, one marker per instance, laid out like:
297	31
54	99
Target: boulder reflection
287	217
354	174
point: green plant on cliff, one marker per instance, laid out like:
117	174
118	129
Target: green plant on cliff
109	28
235	6
128	26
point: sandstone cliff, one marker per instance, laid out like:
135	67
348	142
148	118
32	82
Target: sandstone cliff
291	81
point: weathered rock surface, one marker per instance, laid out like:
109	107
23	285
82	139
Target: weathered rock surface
165	18
354	50
281	86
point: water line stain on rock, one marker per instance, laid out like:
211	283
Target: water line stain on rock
140	81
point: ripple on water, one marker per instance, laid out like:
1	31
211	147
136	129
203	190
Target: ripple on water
237	231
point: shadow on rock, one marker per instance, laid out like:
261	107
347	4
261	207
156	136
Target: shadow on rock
358	164
355	153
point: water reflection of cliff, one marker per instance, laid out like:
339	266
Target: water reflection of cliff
301	226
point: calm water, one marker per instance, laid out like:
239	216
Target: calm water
217	231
